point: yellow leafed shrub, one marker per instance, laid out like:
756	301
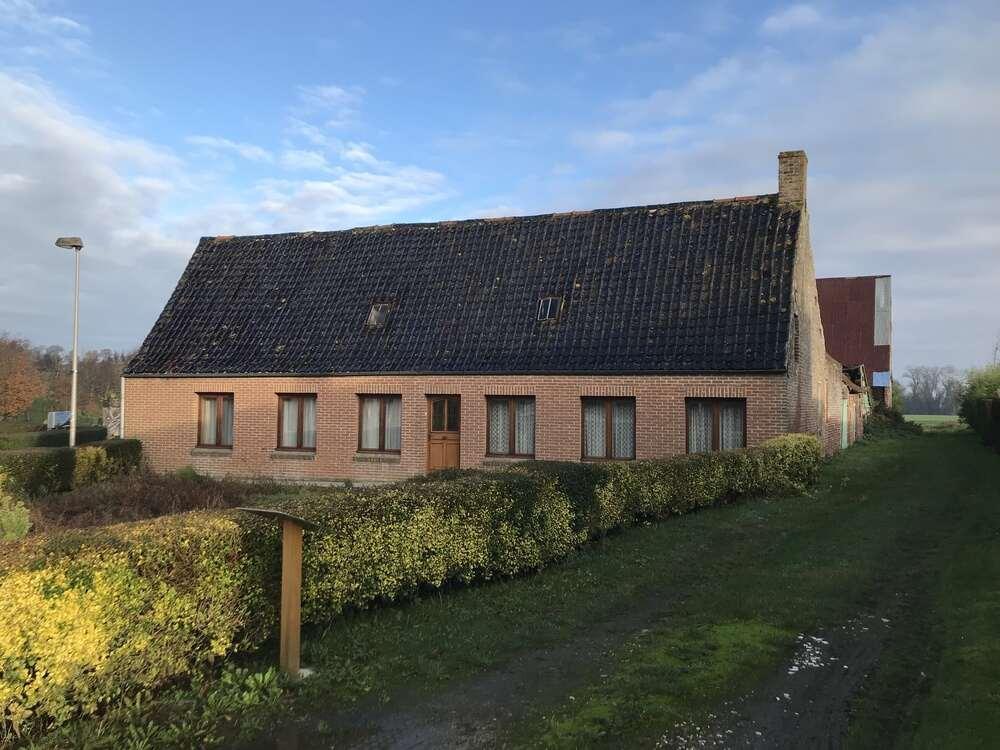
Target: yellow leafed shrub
88	617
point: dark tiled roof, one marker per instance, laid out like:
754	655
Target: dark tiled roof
684	287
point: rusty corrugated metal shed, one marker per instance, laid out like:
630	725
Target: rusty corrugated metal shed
849	312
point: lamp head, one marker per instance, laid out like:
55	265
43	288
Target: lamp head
70	243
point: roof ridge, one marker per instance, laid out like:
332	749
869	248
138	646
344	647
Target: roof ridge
497	219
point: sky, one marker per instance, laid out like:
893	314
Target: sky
142	127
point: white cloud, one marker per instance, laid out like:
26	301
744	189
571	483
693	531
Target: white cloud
346	200
359	152
215	145
618	140
341	104
141	209
64	174
28	30
793	17
302	159
11	181
903	166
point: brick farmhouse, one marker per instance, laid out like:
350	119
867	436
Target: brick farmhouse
378	353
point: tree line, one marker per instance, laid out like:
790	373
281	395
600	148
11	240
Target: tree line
37	379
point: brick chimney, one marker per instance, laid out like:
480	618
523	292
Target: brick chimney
792	167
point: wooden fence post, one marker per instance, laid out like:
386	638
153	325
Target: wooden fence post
289	648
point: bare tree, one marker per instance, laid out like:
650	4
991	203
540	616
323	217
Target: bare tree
932	390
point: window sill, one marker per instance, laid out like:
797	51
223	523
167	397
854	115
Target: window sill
377	458
221	452
505	460
294	455
597	460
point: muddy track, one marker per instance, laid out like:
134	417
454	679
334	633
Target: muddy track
472	713
806	703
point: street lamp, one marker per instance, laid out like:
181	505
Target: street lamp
76	245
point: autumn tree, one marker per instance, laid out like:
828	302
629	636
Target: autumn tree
21	381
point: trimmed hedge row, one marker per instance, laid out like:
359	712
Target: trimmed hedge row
96	614
51	438
983	415
980	403
42	471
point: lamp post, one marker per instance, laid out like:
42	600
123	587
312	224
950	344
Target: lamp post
76	245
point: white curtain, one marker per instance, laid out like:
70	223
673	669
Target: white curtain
289	422
731	426
369	423
524	418
309	422
393	423
499	437
623	429
699	427
593	429
208	415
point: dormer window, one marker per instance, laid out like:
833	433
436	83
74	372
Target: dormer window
549	307
379	315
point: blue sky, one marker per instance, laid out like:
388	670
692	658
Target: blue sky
143	126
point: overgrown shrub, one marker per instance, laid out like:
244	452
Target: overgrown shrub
93	465
141	495
889	421
88	617
979	406
42	471
39	471
51	438
97	613
15	519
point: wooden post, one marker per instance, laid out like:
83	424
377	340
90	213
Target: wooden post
291	597
291	588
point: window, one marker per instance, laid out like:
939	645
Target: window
609	428
378	316
215	420
715	424
549	307
510	426
380	423
445	413
297	421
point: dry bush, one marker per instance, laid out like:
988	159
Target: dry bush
139	496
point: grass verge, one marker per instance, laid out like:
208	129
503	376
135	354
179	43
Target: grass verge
658	625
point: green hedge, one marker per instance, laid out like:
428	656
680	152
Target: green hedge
983	415
92	615
95	614
979	405
42	471
51	438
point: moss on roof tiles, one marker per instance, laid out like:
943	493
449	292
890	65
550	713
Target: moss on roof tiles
700	286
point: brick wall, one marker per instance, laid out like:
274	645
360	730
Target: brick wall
807	361
163	413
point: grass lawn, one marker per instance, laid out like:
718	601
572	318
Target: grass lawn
893	559
936	421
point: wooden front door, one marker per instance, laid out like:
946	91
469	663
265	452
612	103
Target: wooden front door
444	449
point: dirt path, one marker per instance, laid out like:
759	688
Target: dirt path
805	704
472	713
